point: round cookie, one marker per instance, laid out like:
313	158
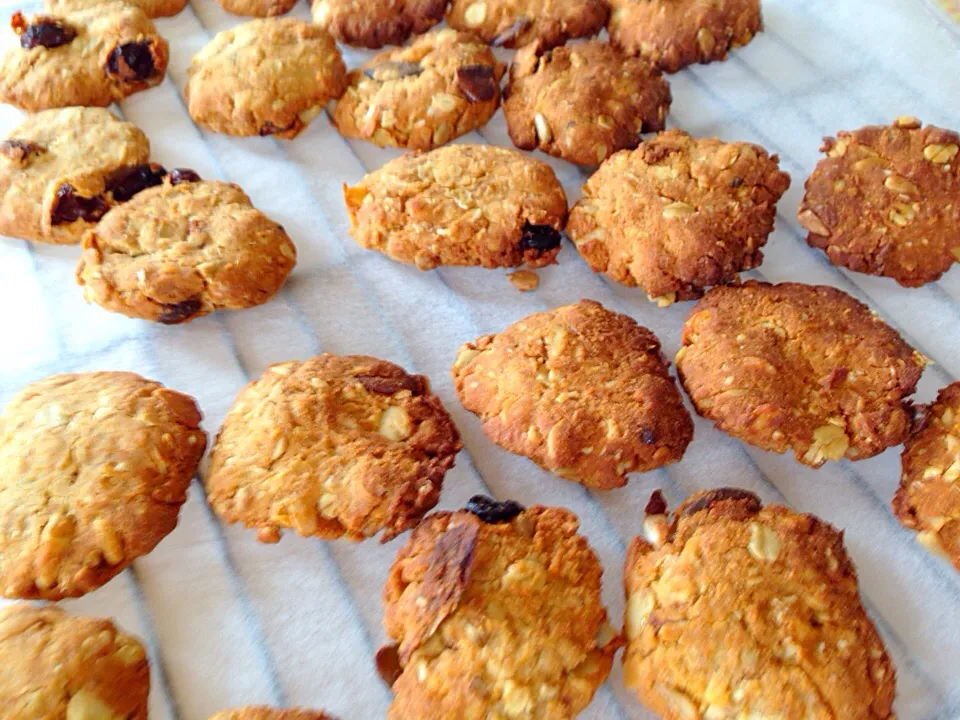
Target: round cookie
460	205
332	447
735	610
261	712
583	102
884	201
56	666
183	249
153	8
799	367
375	23
496	612
420	97
95	467
678	214
582	391
265	77
515	23
258	8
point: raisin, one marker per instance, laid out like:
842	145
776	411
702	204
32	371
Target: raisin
509	36
126	183
736	182
131	61
178	312
648	436
477	82
539	237
269	128
492	511
44	31
388	664
656	505
183	175
390	385
382	72
69	207
20	151
706	501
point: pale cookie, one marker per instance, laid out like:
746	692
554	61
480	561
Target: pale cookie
460	205
94	468
514	23
375	23
261	712
582	391
258	8
153	8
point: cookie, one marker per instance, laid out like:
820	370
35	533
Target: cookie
258	8
460	205
583	102
375	23
265	77
183	249
884	201
675	33
97	466
153	8
582	391
332	447
495	612
90	56
735	610
55	666
515	23
264	713
799	367
678	214
420	97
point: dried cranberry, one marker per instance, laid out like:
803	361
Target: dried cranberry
269	128
492	511
45	32
657	505
19	151
390	385
388	663
126	183
707	500
69	207
131	61
477	82
539	237
183	175
178	312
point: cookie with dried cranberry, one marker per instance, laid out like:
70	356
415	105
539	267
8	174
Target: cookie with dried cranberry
514	23
375	23
261	712
153	8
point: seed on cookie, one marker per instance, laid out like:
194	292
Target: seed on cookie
261	712
582	391
678	214
153	8
515	23
799	367
375	23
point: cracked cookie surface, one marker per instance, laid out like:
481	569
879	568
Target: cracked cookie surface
261	712
582	391
94	469
153	8
375	23
515	23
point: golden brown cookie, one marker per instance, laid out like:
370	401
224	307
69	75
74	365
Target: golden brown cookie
582	102
153	8
95	467
678	214
496	613
582	391
375	23
54	666
420	97
258	8
735	610
799	367
460	205
261	712
514	23
884	201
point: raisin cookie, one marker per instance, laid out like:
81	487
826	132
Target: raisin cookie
55	666
183	249
332	447
515	23
678	214
92	56
260	712
735	610
420	97
153	8
375	23
460	205
799	367
582	391
95	467
582	102
884	201
496	613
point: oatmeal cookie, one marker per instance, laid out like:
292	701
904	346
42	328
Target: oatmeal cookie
460	205
735	610
799	367
420	97
515	23
375	23
495	612
332	447
582	102
582	391
153	8
94	468
264	713
884	201
678	214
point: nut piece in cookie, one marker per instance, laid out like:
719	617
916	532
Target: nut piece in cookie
515	23
460	205
265	77
183	249
884	201
420	97
261	712
495	612
582	391
375	23
735	610
153	8
95	467
678	214
332	447
799	367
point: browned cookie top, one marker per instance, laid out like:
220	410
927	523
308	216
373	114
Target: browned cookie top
514	23
153	8
261	712
375	23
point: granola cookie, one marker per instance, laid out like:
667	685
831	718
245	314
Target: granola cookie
496	613
515	23
261	712
420	97
799	367
678	214
582	391
55	666
332	447
735	610
460	205
93	56
258	8
582	102
884	201
183	249
94	468
153	8
375	23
